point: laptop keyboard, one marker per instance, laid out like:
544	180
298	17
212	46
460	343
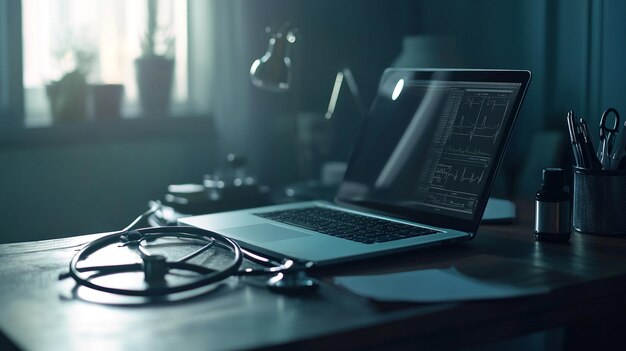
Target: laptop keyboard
346	225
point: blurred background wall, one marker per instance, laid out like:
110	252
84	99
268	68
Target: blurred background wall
59	180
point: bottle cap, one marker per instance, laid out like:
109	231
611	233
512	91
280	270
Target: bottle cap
553	178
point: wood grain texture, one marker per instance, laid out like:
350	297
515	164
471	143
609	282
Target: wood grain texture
586	277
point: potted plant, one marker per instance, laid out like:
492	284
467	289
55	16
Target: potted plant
68	95
155	69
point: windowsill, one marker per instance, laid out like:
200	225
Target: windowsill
89	131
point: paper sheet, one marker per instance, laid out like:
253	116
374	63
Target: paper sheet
430	285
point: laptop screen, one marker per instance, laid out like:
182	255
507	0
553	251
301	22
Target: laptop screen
431	142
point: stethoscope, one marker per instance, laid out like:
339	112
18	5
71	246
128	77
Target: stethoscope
287	276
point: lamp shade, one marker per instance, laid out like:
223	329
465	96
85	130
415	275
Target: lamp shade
273	70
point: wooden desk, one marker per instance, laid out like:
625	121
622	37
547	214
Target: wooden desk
587	278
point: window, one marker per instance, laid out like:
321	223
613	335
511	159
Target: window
104	37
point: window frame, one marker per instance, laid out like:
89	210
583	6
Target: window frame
11	85
12	91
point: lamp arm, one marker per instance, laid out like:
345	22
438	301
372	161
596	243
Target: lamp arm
345	74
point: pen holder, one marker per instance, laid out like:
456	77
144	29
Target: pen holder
599	201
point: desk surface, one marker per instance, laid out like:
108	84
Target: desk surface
587	278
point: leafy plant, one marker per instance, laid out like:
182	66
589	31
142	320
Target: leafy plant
68	94
156	41
75	55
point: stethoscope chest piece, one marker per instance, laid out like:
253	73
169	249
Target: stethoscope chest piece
292	283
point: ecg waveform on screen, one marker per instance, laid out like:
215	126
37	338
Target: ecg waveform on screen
473	151
472	124
445	175
481	117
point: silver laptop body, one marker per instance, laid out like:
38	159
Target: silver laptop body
427	156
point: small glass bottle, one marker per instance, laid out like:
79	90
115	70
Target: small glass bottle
552	208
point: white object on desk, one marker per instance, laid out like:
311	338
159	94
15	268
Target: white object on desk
499	211
428	286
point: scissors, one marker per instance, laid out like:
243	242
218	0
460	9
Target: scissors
607	134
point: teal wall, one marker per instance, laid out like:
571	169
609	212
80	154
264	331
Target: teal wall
58	188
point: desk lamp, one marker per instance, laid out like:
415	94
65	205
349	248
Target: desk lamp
273	70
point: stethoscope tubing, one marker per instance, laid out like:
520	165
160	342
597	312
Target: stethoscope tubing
209	276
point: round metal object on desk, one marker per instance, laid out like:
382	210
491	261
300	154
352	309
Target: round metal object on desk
292	283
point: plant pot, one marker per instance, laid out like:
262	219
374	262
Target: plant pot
106	100
154	82
68	98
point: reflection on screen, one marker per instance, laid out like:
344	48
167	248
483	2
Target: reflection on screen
429	145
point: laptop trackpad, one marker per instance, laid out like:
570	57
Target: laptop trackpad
262	233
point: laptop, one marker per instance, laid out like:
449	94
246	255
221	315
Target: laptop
419	175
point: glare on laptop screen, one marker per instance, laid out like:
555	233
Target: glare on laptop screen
429	144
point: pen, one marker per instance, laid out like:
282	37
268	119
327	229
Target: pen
587	146
619	146
571	127
581	150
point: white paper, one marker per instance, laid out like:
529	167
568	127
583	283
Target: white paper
430	285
